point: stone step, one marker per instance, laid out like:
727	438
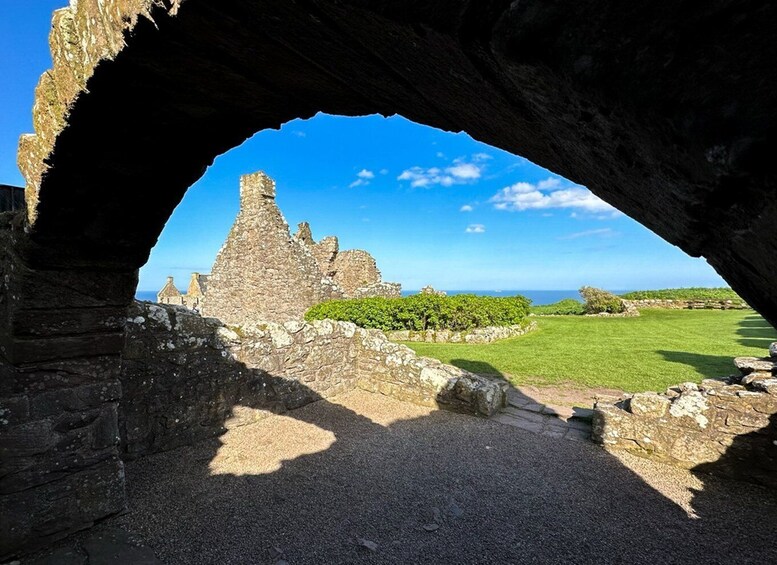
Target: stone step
548	424
756	364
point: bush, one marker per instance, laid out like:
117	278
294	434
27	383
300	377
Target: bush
598	301
425	312
696	293
566	307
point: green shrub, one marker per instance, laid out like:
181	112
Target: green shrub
696	293
425	312
598	301
566	307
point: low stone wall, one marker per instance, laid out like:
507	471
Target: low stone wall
725	426
384	289
690	304
477	335
184	376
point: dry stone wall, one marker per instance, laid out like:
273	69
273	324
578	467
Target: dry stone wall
185	376
689	304
476	335
725	426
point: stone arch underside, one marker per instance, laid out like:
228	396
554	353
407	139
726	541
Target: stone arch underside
664	109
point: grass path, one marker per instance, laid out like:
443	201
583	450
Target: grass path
656	350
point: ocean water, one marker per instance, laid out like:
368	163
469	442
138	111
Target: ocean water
538	297
149	295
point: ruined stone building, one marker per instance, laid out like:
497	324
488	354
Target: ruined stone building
263	273
169	294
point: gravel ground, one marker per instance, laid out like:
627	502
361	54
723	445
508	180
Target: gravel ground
371	480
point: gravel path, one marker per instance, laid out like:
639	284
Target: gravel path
372	480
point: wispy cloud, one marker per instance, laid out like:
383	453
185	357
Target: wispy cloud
459	172
550	193
602	232
363	178
299	133
466	208
475	228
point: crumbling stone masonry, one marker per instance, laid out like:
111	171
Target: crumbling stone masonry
725	426
184	375
262	273
195	293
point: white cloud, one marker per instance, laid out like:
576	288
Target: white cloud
441	155
459	172
602	232
384	171
466	171
476	228
299	133
481	157
466	208
550	193
364	177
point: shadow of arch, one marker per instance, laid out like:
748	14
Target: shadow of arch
502	497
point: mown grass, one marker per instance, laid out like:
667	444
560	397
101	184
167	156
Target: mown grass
658	349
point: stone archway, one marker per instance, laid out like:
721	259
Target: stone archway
663	109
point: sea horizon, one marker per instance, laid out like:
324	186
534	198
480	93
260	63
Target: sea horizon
538	297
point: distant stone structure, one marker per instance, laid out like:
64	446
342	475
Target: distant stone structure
429	289
263	273
198	285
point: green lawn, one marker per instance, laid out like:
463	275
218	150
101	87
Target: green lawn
658	349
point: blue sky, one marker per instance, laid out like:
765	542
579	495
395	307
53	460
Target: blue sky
432	207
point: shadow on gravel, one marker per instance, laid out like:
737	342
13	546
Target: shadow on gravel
369	479
432	488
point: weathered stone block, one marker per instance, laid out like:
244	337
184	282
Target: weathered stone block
649	404
754	364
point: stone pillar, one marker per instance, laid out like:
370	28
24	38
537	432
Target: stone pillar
60	343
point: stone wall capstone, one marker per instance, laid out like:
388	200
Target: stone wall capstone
184	376
725	426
